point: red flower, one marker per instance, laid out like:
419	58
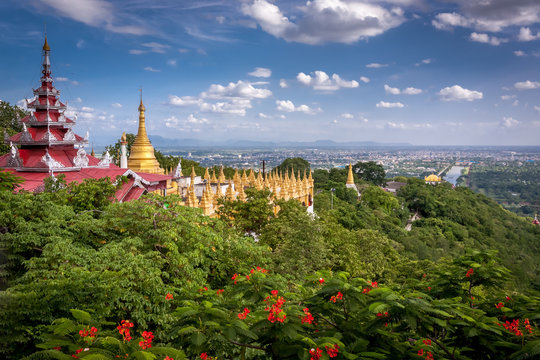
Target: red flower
321	281
366	291
234	278
204	356
220	291
274	293
57	348
499	305
507	298
420	352
315	354
379	314
169	296
469	272
429	288
258	268
339	295
374	284
244	314
386	314
429	356
308	318
247	277
332	352
427	342
168	358
147	340
123	329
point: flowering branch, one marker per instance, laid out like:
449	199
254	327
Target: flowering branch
442	347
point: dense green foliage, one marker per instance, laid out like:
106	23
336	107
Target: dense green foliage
514	185
349	281
293	164
370	171
9	115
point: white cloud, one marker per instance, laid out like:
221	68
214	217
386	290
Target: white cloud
391	90
515	103
288	106
79	100
509	122
384	104
508	97
537	108
347	116
239	89
490	16
525	34
364	79
61	79
235	98
87	109
485	38
96	13
191	123
193	120
394	125
406	91
220	19
527	85
136	52
156	47
519	53
283	83
263	116
261	72
183	51
322	21
151	69
117	105
80	44
376	65
456	93
171	62
319	80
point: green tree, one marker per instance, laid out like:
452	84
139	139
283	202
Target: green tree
9	181
295	164
249	216
9	115
371	172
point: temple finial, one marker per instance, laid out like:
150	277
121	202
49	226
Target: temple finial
141	105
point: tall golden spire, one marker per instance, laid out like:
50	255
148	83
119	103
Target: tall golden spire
142	156
46	45
350	177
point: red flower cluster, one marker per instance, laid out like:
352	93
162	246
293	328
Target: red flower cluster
168	296
338	296
429	355
244	314
258	269
203	289
469	272
168	358
315	354
77	352
499	305
374	284
381	314
507	298
57	348
321	281
427	342
234	278
332	352
275	311
123	329
204	356
429	288
513	327
308	318
220	291
527	326
146	343
90	333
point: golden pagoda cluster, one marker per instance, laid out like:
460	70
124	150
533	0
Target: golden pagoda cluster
205	194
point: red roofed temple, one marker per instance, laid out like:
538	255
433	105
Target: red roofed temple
47	145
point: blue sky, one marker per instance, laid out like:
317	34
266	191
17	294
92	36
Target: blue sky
450	72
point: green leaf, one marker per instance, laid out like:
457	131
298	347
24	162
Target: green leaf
198	338
95	357
372	355
143	355
187	330
81	316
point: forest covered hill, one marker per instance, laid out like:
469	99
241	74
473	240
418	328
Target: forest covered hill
150	279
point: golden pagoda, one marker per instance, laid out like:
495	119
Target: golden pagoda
141	157
350	177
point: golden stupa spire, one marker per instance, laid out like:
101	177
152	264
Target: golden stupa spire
206	175
141	157
230	195
350	177
193	175
46	45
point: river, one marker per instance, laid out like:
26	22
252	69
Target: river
453	174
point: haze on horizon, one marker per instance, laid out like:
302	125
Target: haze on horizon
424	72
